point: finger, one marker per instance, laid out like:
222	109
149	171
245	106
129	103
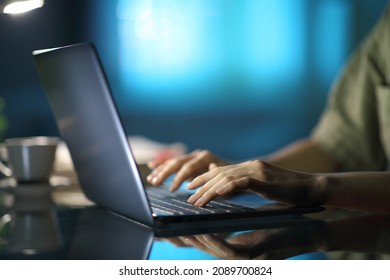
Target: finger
152	174
212	166
208	192
229	250
231	186
177	241
202	239
189	169
208	184
226	185
211	181
154	163
248	238
218	245
198	244
163	171
201	180
169	167
206	177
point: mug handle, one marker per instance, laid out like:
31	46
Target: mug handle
3	168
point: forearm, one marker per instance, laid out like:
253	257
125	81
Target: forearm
368	191
368	234
305	156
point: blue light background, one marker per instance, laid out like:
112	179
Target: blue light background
179	54
239	77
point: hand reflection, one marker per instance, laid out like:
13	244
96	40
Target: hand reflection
260	244
365	234
185	241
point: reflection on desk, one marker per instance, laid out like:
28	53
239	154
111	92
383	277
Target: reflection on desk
368	234
32	226
29	223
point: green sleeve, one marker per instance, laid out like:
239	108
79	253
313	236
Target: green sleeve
351	128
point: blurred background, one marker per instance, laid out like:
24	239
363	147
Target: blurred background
239	77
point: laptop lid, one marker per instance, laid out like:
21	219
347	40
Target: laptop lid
88	120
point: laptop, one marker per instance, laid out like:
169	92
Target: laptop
89	122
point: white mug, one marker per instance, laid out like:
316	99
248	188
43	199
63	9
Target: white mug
29	159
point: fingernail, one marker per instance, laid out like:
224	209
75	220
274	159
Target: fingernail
154	180
191	199
199	202
187	240
172	187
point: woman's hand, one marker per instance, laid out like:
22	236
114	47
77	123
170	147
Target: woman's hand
186	167
270	182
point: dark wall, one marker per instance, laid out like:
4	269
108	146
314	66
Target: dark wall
58	23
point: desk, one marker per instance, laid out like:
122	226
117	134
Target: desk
44	222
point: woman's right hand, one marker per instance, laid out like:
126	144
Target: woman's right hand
186	167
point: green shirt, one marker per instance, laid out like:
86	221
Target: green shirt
355	127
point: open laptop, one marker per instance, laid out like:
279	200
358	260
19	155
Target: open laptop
90	125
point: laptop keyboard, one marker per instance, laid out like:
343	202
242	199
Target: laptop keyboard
169	203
